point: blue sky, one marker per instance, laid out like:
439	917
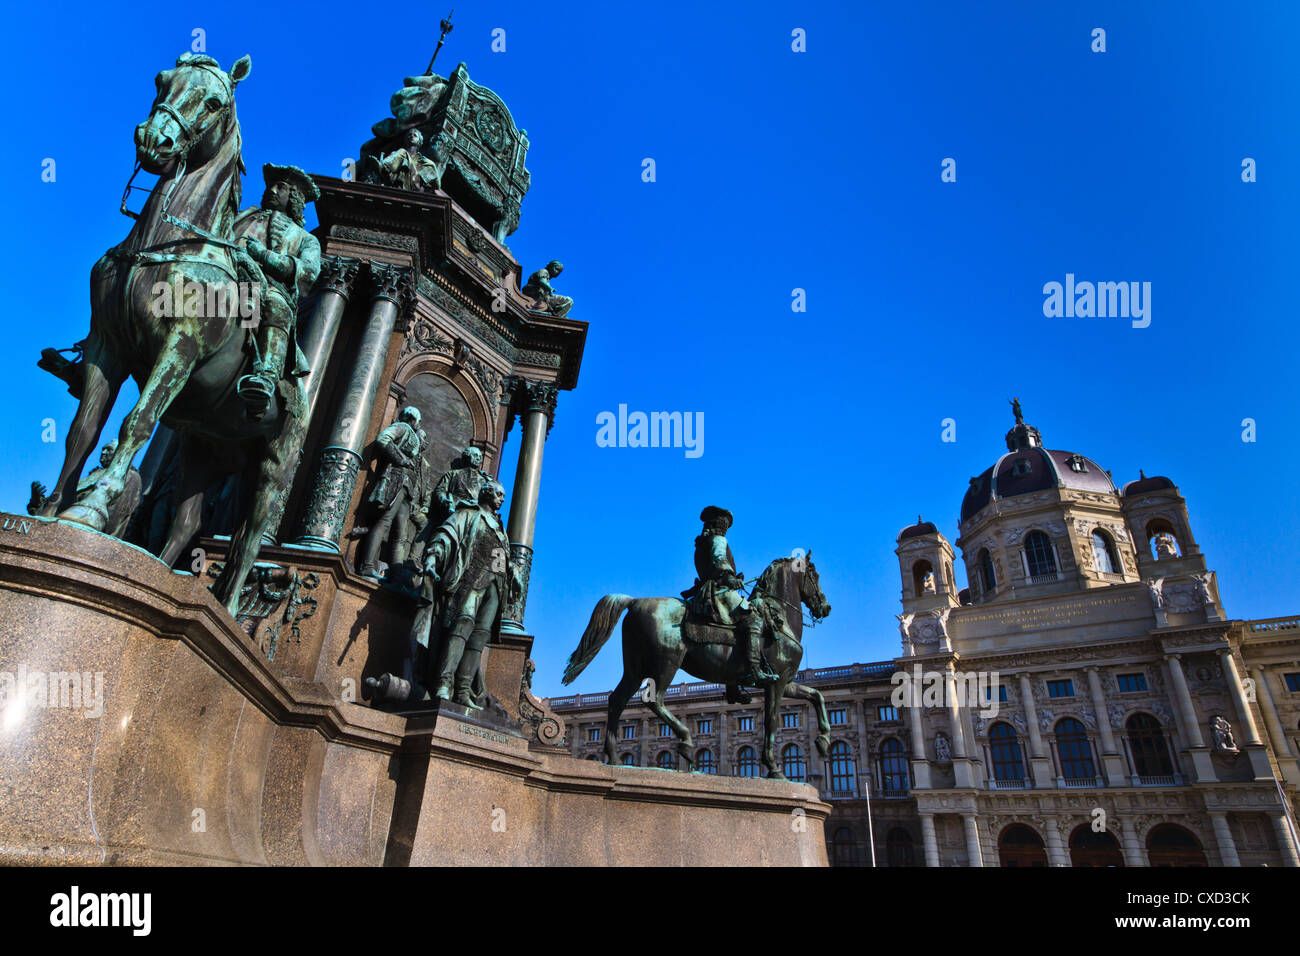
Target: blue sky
779	170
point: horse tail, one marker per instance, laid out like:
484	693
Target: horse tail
603	618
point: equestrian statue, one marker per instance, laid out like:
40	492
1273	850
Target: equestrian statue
714	633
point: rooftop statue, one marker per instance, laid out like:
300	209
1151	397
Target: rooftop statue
538	288
181	252
469	147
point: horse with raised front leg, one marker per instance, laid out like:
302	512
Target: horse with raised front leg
655	648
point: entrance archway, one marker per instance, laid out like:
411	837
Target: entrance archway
1020	845
1171	845
1089	848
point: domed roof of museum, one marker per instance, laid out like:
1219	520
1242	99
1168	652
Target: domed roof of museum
1028	467
918	529
1144	484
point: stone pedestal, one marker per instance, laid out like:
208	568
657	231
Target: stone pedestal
176	734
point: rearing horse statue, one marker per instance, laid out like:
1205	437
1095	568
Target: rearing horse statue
186	365
654	647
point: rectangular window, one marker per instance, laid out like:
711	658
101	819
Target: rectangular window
704	726
629	731
1002	693
593	735
1132	683
1060	688
1292	682
886	712
790	720
745	722
665	730
837	716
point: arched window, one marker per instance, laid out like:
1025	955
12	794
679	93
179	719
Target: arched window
746	763
1089	847
919	571
629	760
899	848
894	776
667	760
1150	750
793	764
1170	845
1161	540
1008	761
1020	845
842	771
1039	556
1103	553
988	578
705	762
844	849
1074	750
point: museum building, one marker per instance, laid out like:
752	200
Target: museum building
1084	702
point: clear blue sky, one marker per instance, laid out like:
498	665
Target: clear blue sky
779	170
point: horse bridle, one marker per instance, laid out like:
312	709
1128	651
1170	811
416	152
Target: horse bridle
187	141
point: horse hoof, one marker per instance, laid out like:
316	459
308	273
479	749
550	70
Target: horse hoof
776	776
83	514
823	745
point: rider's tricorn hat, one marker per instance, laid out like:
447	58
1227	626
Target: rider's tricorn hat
294	177
713	514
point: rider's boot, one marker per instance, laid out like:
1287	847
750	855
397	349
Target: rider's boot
256	389
738	695
758	674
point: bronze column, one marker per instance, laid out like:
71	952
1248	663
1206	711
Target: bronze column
537	411
340	459
317	341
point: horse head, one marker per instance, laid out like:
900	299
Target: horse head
192	114
810	590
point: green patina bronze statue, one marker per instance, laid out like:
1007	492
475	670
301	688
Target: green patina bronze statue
400	496
275	237
169	307
662	636
468	580
538	288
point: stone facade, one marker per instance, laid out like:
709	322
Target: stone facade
1085	702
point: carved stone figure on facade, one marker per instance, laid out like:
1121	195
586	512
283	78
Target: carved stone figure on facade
398	494
276	238
408	167
119	514
927	583
904	630
1166	547
942	749
716	598
1155	587
1202	584
538	288
1223	739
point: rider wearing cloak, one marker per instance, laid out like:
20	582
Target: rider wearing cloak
716	597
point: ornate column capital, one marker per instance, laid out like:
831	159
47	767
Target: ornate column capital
338	274
397	285
540	397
